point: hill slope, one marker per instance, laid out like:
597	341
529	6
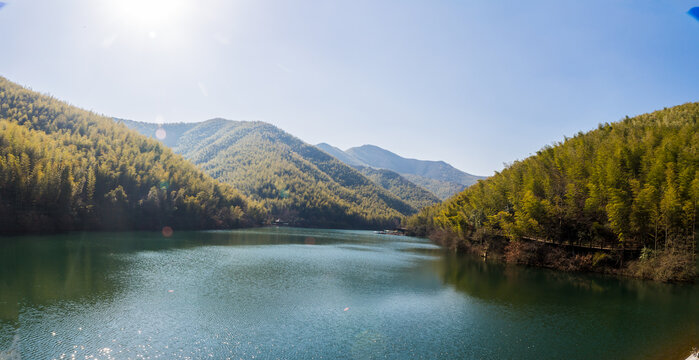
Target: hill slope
297	182
630	184
400	186
63	168
440	188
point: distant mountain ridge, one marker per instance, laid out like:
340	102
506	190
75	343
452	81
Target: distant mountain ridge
390	180
438	177
297	182
341	155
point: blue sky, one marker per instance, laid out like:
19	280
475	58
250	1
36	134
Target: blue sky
475	83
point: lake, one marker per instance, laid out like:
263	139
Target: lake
273	293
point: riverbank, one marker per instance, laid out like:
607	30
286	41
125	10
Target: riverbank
669	265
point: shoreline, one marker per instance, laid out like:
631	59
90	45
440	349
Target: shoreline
665	266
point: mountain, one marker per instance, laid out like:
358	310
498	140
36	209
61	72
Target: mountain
64	168
632	184
296	182
438	177
390	180
341	155
436	170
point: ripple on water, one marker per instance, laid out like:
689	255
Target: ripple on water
350	294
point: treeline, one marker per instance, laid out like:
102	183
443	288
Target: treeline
297	183
633	184
63	168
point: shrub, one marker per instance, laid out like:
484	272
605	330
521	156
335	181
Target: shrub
646	254
666	266
601	259
522	252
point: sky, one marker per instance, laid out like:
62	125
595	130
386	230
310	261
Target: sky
474	83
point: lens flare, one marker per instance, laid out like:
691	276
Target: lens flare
161	134
694	12
167	231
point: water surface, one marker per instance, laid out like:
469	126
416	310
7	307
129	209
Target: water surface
325	294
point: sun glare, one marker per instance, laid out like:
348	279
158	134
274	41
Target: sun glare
149	15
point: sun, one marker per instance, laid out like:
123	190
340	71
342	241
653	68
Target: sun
149	15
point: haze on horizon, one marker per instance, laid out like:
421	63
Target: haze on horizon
474	84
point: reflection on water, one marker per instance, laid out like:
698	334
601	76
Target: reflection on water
299	293
639	319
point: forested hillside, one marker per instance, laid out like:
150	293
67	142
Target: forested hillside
296	182
443	189
63	168
399	186
633	184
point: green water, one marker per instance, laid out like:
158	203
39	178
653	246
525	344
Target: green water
299	293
